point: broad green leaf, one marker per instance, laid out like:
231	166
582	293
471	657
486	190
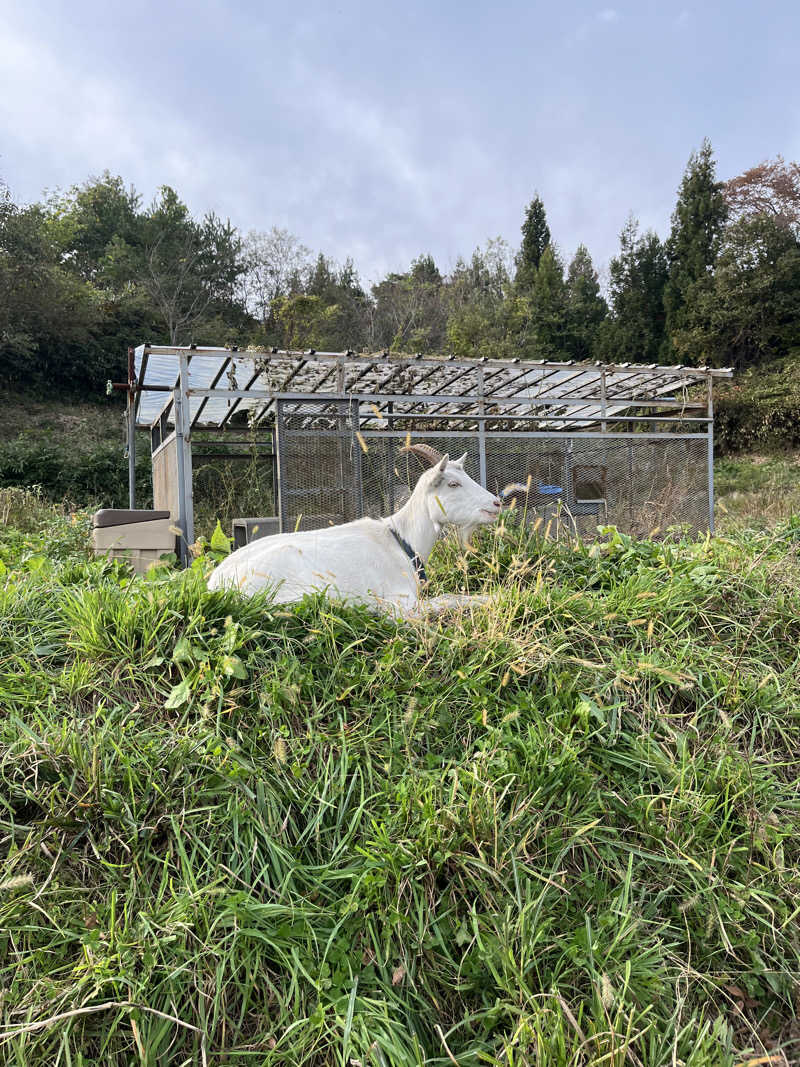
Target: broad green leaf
233	667
219	541
184	652
181	694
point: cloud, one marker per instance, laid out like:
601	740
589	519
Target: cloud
76	121
607	16
344	171
381	138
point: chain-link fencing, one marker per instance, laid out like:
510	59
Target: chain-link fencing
337	463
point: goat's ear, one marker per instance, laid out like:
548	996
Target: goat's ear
439	469
460	462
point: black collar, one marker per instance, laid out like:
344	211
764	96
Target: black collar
419	566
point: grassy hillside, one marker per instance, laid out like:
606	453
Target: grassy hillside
756	489
74	452
560	831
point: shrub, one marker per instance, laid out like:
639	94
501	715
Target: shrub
759	409
93	475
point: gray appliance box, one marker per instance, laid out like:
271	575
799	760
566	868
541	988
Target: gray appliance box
247	530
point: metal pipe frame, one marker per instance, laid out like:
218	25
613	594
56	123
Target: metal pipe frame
355	451
536	397
183	434
481	431
461	398
376	359
280	453
144	351
229	413
265	408
666	377
131	420
163	443
613	382
710	458
223	367
552	418
546	434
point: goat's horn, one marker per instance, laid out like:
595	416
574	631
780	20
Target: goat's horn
514	493
427	453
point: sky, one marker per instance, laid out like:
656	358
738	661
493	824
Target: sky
385	131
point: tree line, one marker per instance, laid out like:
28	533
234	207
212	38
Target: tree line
86	272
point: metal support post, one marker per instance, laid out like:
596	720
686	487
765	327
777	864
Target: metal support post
390	476
355	449
184	460
131	416
341	448
481	429
183	548
710	456
280	452
274	460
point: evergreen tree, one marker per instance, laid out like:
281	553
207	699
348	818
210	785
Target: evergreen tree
548	308
189	269
694	241
634	332
586	308
749	311
535	239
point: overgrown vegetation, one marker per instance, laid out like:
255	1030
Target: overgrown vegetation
560	831
759	409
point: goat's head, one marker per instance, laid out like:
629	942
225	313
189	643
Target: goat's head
452	497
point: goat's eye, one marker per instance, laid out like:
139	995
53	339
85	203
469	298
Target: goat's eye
454	485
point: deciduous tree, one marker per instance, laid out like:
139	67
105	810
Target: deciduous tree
771	189
186	266
274	264
90	219
47	314
410	309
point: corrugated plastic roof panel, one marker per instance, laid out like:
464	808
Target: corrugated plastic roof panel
535	387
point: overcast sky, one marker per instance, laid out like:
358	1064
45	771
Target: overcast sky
383	131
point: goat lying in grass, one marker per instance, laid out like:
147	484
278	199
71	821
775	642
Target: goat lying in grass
373	561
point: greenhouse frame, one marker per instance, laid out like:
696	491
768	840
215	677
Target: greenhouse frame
623	444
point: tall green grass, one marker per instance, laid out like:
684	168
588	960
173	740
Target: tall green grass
560	829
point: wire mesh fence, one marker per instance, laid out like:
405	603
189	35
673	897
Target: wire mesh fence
231	482
333	468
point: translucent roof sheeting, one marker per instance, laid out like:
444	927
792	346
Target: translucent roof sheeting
579	393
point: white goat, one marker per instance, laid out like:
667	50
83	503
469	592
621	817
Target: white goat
370	560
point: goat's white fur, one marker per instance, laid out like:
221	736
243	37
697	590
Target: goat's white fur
362	561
